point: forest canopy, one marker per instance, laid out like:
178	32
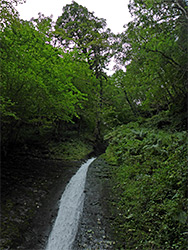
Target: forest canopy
55	73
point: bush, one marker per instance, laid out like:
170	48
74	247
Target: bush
150	178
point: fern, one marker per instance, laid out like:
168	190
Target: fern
151	177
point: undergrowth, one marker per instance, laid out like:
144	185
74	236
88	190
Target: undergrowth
150	176
72	149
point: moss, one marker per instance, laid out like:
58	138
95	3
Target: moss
74	149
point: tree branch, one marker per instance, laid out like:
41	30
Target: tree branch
171	60
182	9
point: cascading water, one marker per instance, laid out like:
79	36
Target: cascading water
71	206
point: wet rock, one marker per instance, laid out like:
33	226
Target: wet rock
31	189
94	228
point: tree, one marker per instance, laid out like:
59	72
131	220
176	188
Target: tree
79	28
153	51
37	88
8	12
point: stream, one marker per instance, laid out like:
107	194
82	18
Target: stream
65	227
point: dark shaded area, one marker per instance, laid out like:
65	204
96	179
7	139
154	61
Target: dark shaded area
32	184
100	147
31	188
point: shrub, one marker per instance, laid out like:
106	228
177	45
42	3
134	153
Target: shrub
150	177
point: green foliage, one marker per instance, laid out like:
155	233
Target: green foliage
166	120
153	49
77	27
151	187
72	149
8	12
50	91
38	82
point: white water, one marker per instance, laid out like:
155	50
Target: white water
71	206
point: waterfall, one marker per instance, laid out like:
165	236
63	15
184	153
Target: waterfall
71	206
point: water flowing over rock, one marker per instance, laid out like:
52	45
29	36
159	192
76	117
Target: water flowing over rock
70	208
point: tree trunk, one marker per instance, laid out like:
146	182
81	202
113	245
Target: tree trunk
130	104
